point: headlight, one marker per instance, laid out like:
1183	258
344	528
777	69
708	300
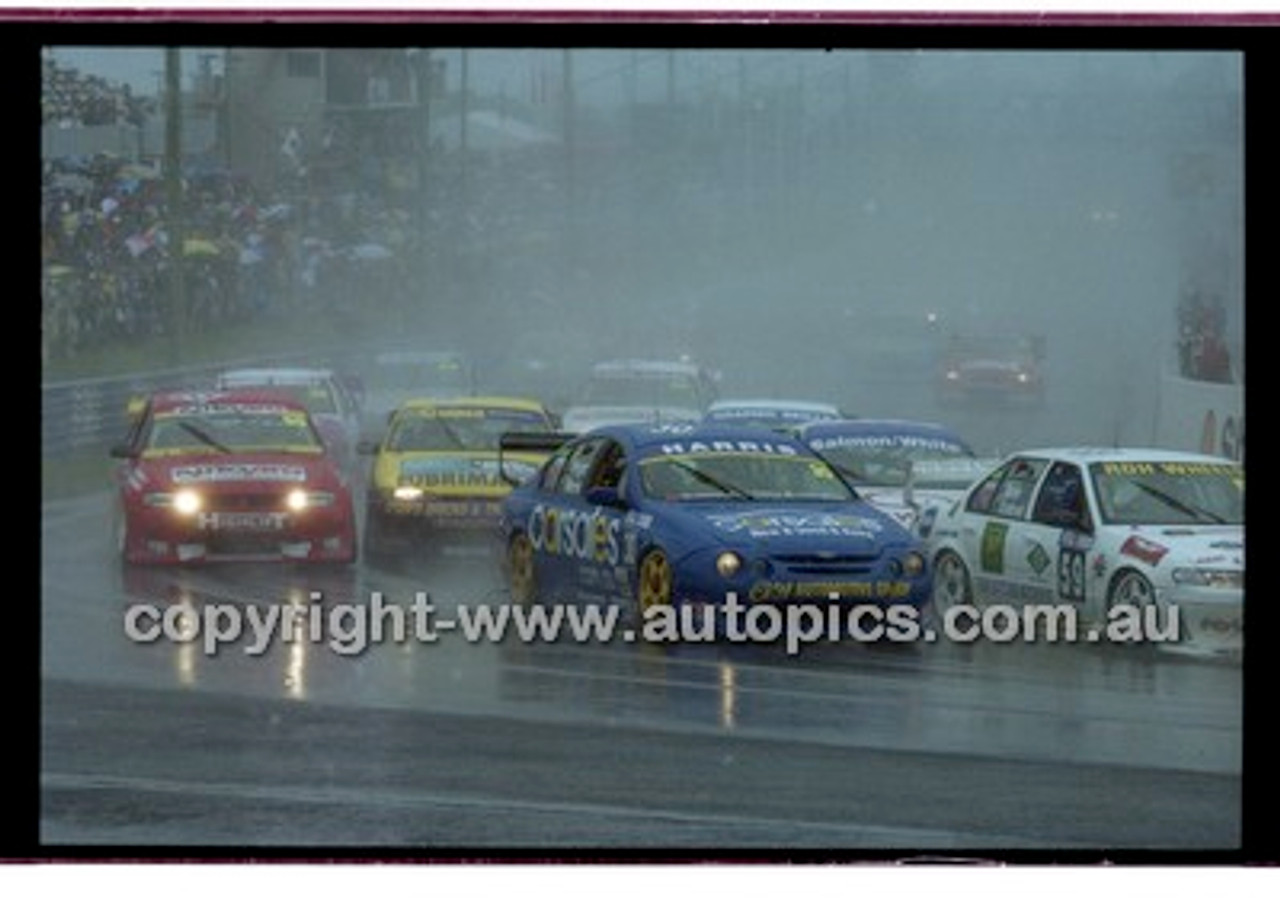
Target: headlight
1023	377
727	564
184	501
1219	579
912	564
301	499
407	492
953	375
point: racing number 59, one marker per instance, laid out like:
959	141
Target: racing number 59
1071	574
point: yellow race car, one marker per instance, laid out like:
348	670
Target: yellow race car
436	474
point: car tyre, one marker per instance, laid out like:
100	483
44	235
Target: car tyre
520	571
1130	588
952	586
654	581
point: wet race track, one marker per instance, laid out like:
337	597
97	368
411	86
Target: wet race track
338	740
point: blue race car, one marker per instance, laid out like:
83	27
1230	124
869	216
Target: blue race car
686	513
780	415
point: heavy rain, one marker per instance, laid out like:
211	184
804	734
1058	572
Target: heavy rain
823	223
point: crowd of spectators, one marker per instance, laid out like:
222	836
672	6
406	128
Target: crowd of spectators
1203	353
106	255
70	98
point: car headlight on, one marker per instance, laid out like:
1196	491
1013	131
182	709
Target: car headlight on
953	375
301	499
728	564
184	501
1024	378
407	493
1200	576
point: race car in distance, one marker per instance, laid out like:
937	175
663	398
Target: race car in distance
234	475
1097	528
684	514
641	391
435	471
324	393
399	375
907	468
991	368
780	415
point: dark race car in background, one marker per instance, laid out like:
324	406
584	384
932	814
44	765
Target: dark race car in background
991	368
234	475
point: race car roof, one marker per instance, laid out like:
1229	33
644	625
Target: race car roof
693	437
275	376
1091	455
486	402
170	401
729	407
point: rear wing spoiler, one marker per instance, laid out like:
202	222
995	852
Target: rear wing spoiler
528	442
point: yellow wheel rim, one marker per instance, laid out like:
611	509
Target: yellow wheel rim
521	559
655	581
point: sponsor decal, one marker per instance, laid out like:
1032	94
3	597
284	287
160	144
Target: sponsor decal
238	473
1230	544
247	522
759	525
1038	558
748	447
991	556
1075	540
576	534
1143	549
921	442
1224	626
450	472
1099	565
767	591
214	408
1169	468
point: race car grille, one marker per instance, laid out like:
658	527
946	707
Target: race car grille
819	564
247	501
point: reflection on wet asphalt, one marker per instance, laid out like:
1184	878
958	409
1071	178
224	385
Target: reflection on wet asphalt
1081	704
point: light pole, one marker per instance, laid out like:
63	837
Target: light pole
174	199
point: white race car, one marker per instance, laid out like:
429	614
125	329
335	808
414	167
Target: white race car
621	392
1106	530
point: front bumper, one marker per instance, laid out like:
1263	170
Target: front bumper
163	537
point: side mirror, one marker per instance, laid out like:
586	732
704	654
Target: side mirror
121	451
605	496
367	446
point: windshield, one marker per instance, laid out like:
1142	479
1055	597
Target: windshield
742	476
886	461
317	397
472	429
232	432
1169	493
664	391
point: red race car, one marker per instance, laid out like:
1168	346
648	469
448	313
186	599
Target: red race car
229	475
